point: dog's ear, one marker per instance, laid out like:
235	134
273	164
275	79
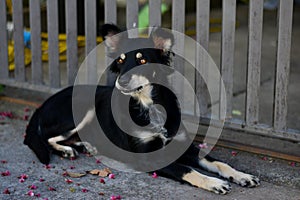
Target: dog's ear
109	34
162	39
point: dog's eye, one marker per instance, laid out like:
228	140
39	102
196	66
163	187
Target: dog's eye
120	61
143	61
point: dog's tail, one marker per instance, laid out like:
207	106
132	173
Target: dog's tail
34	139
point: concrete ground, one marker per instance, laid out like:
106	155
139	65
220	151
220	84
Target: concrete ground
280	178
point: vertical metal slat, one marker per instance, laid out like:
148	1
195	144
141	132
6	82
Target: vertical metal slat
178	24
154	13
91	35
71	29
132	12
202	37
53	51
254	60
36	52
110	9
3	43
18	40
283	63
227	55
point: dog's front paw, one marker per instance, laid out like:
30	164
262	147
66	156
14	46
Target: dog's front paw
87	148
245	180
218	186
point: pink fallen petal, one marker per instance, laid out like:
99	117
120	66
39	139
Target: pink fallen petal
102	180
234	153
111	176
65	173
118	197
203	146
68	181
38	195
6	191
42	180
48	166
21	180
51	189
113	197
30	193
6	173
98	161
293	164
32	187
72	167
84	190
154	175
3	161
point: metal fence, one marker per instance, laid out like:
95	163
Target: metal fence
251	122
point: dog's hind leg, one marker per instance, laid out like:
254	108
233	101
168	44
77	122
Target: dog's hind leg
226	171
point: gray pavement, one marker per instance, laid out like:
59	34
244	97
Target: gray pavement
280	178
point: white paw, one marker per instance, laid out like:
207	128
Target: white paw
88	147
69	152
218	186
245	180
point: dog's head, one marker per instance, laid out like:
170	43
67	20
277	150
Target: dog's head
137	53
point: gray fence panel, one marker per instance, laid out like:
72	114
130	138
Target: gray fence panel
72	48
227	55
110	9
285	19
3	43
254	60
18	38
132	12
35	42
91	35
154	13
202	37
53	50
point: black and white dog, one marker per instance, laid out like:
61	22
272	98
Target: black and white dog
52	127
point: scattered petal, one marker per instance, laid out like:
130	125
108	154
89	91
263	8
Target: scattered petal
84	190
30	193
68	181
73	158
6	191
21	180
154	175
32	187
51	189
115	197
234	153
98	161
6	173
293	164
111	176
72	167
102	180
65	173
48	166
264	158
203	146
72	190
38	195
42	180
3	161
